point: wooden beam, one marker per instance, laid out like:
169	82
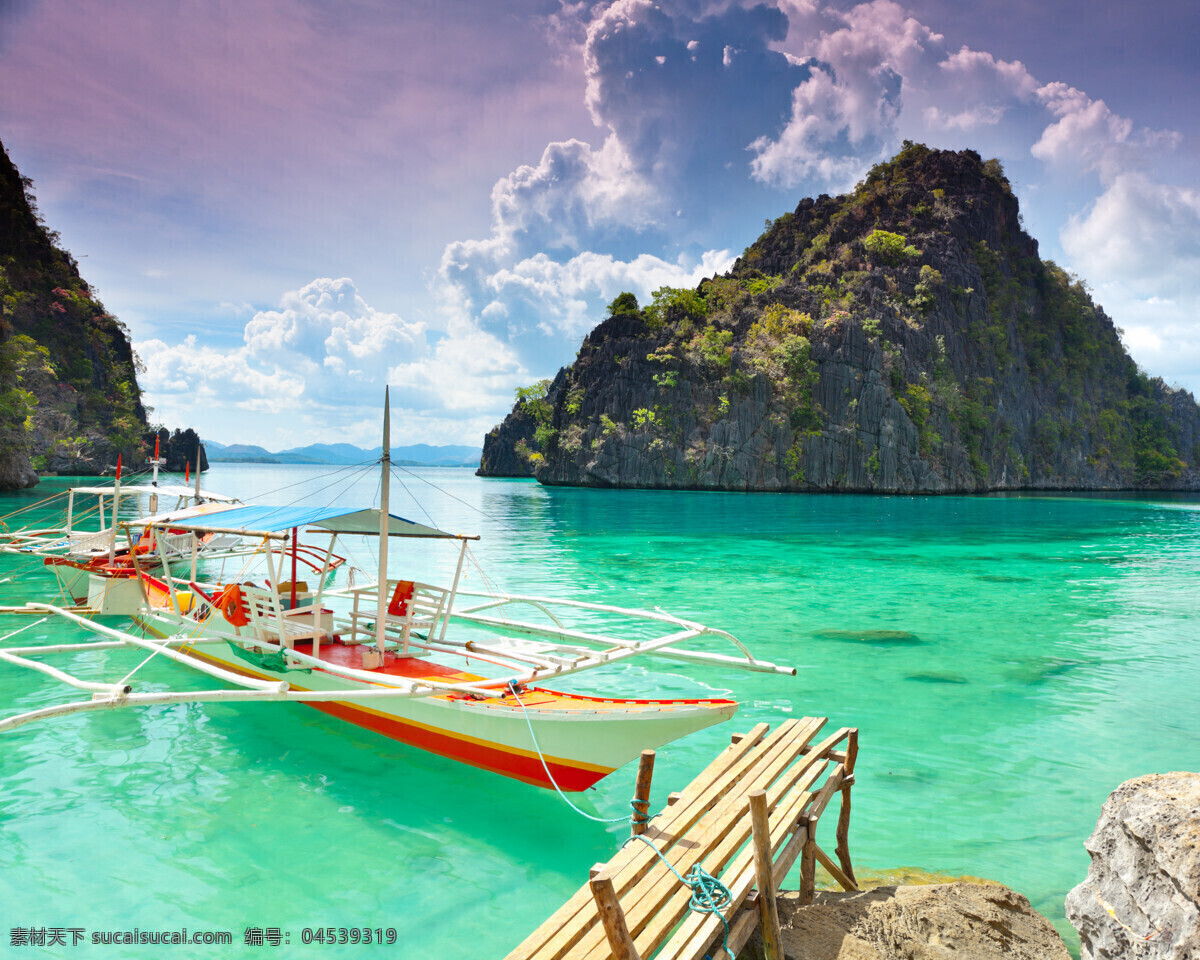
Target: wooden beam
847	883
764	878
789	816
698	931
612	917
843	833
708	822
563	928
641	794
790	801
658	903
852	750
740	929
808	866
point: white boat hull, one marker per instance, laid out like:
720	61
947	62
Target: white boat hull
579	739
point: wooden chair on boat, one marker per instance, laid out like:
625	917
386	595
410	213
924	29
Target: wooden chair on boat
271	625
413	606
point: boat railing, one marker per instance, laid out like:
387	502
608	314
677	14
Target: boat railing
90	542
475	613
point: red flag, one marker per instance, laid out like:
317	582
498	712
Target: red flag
118	466
156	439
187	471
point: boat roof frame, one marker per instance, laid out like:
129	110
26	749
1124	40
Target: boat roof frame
316	521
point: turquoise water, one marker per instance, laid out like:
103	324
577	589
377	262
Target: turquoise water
1009	661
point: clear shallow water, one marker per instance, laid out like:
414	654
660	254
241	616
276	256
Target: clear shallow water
1009	661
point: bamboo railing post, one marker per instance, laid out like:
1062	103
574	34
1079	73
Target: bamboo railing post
765	876
808	865
612	916
641	794
843	826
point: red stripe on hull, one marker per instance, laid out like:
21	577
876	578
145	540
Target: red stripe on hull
482	755
486	756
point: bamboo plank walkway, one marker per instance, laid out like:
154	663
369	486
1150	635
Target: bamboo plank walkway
745	819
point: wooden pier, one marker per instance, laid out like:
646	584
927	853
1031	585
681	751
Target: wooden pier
745	820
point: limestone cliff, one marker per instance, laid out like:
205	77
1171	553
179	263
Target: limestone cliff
902	338
69	396
180	449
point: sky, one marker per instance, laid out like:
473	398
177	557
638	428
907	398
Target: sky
291	203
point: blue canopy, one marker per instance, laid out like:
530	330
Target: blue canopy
266	519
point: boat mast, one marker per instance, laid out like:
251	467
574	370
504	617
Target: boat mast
112	540
198	473
385	463
155	464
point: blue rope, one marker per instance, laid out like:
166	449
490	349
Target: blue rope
512	686
709	895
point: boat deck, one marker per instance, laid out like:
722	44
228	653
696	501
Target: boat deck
417	668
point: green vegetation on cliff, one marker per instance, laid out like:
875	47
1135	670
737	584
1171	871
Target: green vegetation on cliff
69	396
904	337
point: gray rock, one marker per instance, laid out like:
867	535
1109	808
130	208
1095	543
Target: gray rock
1142	890
931	922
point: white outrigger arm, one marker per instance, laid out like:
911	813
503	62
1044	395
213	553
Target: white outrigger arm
107	696
660	646
529	661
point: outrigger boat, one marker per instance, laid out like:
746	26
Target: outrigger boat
79	557
385	656
96	570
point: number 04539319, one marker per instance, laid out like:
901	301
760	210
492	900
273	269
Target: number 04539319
385	935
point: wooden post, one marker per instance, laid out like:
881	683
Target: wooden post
641	794
612	917
808	865
835	871
843	825
764	876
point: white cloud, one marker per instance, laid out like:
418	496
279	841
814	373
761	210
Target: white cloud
844	116
680	92
1142	234
573	192
318	364
718	85
1139	244
808	149
327	324
190	373
1088	135
976	89
568	298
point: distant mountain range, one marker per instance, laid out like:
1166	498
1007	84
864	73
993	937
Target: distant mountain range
417	455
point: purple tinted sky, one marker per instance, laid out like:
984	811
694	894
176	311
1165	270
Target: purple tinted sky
291	203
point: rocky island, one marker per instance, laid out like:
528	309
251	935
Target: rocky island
903	338
69	395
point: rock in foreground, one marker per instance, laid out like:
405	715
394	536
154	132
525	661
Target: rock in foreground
979	921
1141	893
